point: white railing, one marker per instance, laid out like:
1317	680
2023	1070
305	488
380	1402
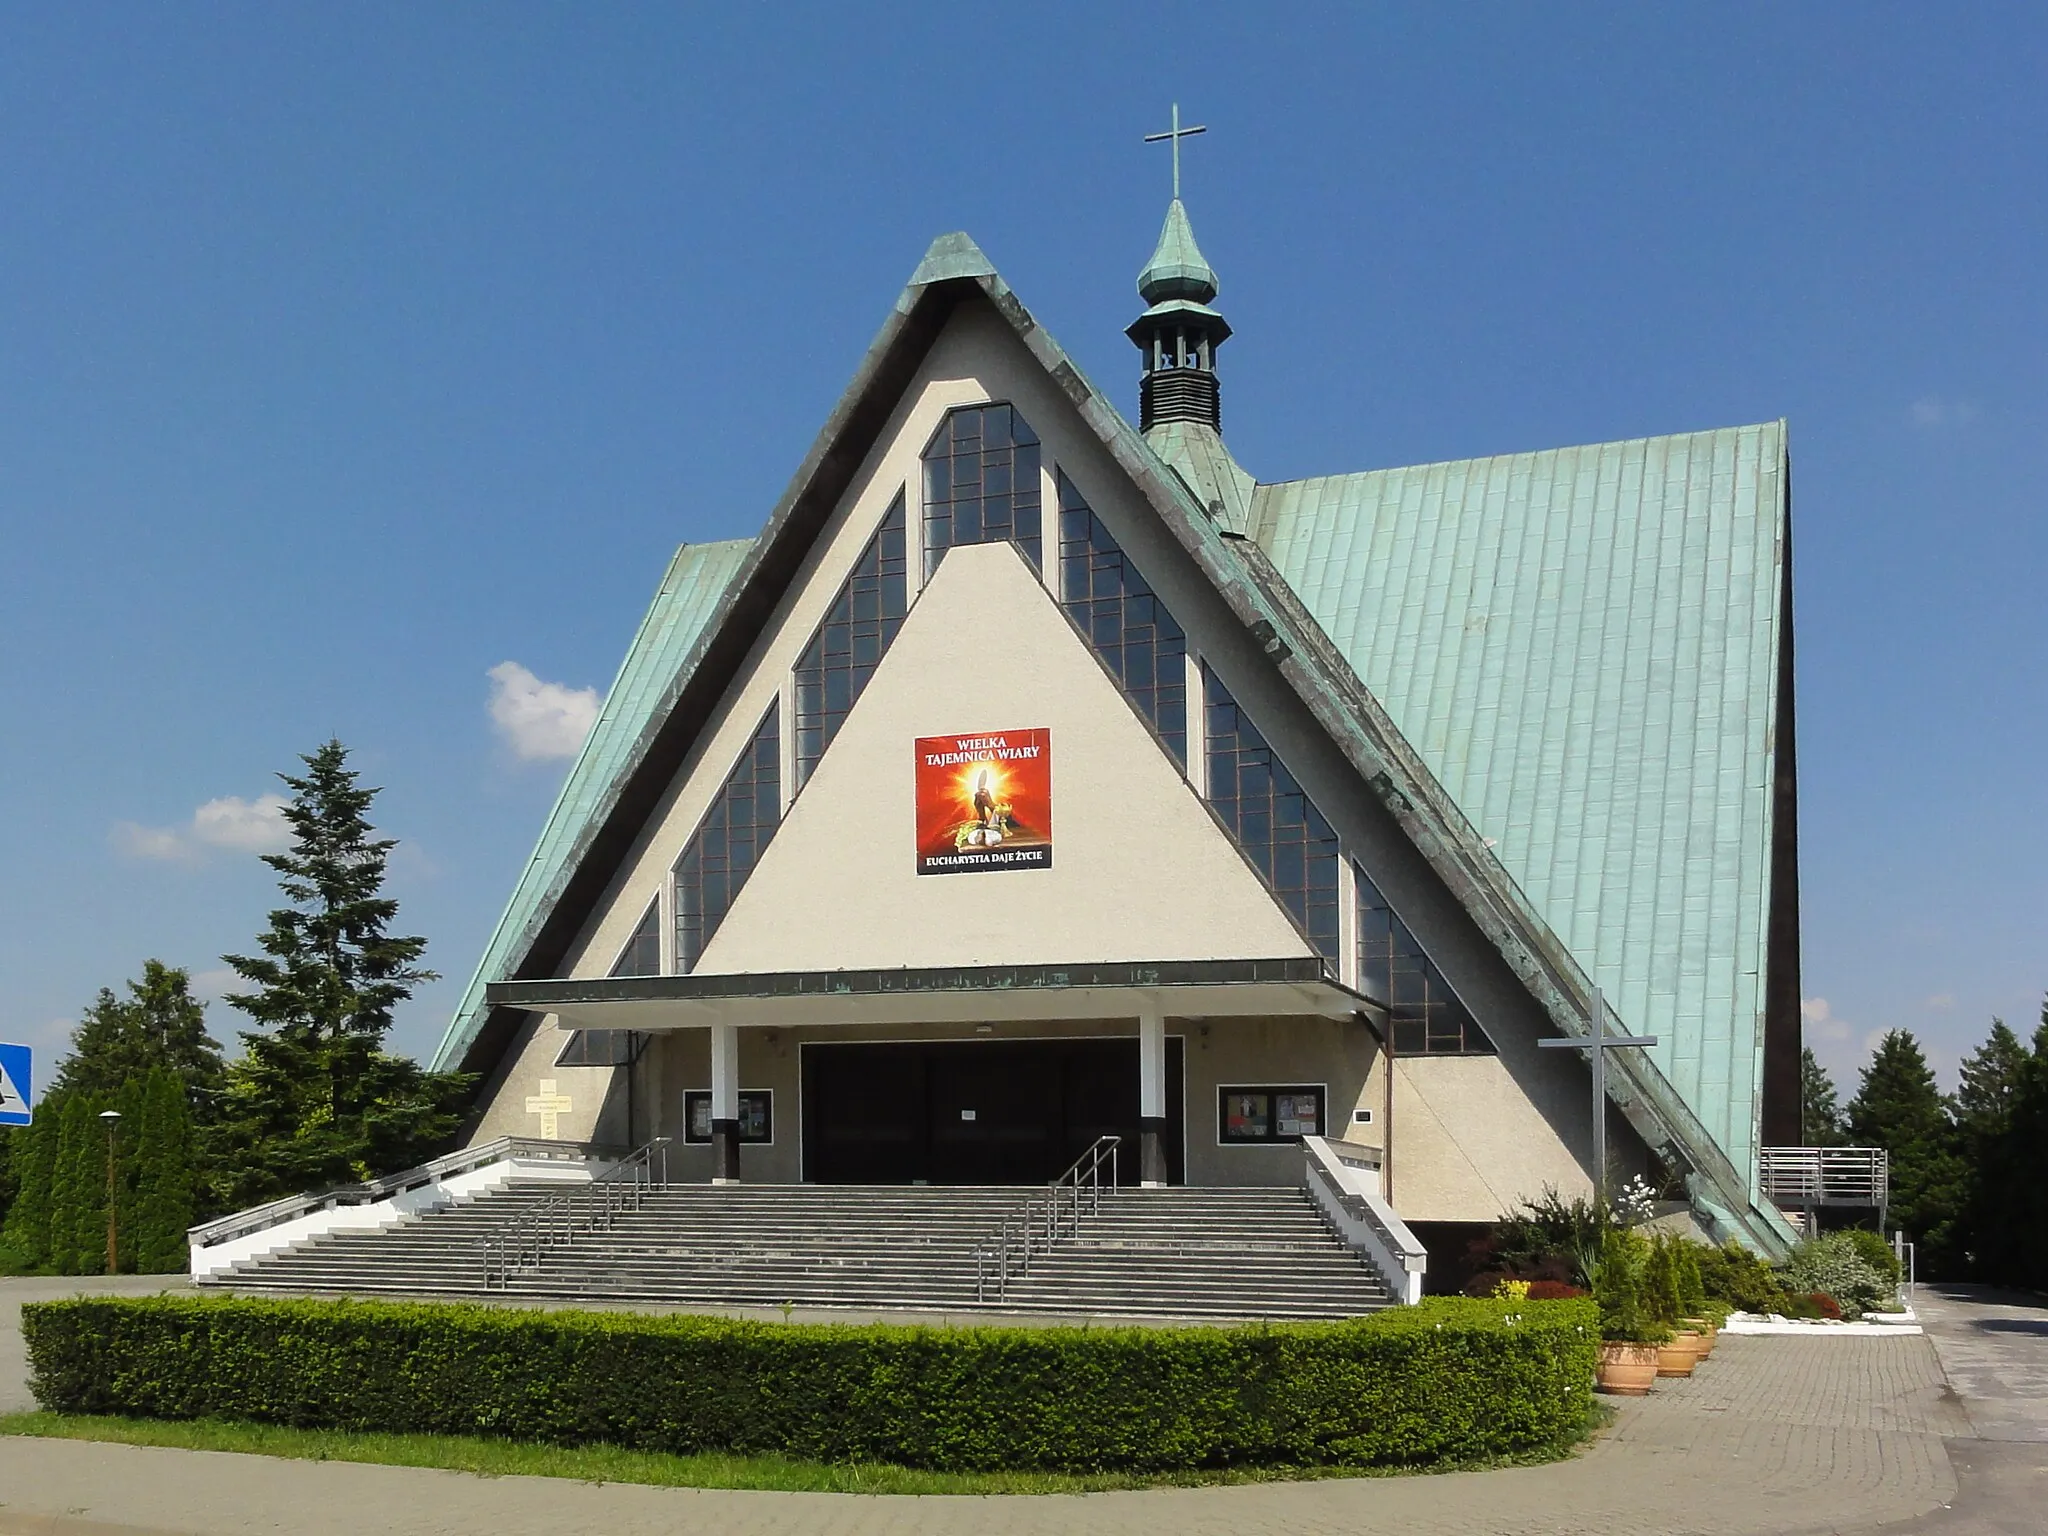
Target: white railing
218	1247
275	1214
1345	1186
1807	1176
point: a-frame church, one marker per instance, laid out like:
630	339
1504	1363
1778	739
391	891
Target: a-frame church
1032	776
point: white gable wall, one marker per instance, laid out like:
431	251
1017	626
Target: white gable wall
1140	869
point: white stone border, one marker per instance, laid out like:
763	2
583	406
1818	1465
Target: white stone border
1906	1324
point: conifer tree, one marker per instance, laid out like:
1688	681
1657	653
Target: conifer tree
34	1153
315	1100
78	1199
131	1103
1982	1115
159	1024
1819	1112
1899	1107
2010	1235
164	1178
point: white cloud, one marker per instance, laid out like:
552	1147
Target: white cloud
1821	1021
211	986
250	826
140	842
1931	411
539	720
230	822
1942	1002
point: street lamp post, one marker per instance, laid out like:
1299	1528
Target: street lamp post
111	1118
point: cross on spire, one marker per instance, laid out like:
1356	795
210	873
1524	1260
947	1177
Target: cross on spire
1174	136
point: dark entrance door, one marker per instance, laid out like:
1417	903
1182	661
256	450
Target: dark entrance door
974	1111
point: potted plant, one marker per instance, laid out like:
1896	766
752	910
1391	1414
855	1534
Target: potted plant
1663	1302
1694	1312
1629	1335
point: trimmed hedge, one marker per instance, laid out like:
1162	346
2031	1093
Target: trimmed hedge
1450	1379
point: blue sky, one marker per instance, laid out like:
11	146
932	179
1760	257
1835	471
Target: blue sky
350	353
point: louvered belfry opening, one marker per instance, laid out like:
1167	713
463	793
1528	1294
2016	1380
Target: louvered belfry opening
1178	333
1179	394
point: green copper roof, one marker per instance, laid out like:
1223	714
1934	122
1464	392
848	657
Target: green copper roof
697	578
1177	269
1582	647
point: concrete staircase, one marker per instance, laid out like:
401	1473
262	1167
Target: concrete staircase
1224	1253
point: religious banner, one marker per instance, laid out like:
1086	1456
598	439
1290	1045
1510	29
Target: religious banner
984	802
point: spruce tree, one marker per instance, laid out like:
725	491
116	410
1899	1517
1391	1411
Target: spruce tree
315	1100
2011	1236
159	1024
34	1153
164	1178
1899	1107
1982	1115
1820	1114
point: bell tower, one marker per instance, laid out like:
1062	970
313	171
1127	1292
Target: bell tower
1179	333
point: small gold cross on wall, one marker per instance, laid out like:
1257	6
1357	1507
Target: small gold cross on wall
549	1105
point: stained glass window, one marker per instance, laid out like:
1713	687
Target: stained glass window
1128	626
851	641
729	841
981	483
1428	1019
1272	818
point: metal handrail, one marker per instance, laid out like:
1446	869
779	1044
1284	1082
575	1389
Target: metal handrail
1086	1172
523	1242
276	1212
1810	1176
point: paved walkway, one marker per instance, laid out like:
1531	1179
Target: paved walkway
1773	1435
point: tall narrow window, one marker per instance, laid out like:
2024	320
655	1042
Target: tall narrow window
1427	1017
981	484
1273	820
729	841
1129	627
851	641
618	1047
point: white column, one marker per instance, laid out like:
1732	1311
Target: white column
725	1103
725	1072
1152	1065
1152	1098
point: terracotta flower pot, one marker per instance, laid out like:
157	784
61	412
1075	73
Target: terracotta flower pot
1626	1370
1679	1356
1708	1334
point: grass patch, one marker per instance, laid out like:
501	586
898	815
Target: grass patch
614	1464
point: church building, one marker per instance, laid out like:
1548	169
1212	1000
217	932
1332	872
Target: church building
1032	776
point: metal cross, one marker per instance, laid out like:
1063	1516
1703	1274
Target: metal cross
1598	1044
1175	136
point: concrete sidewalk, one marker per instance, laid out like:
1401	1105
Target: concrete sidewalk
1772	1436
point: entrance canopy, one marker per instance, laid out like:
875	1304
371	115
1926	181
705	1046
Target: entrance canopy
1191	989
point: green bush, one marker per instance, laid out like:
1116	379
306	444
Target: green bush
1450	1379
1833	1266
1735	1275
1877	1253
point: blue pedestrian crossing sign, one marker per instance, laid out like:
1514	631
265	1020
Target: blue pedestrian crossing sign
14	1065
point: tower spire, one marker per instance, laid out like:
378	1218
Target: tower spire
1179	333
